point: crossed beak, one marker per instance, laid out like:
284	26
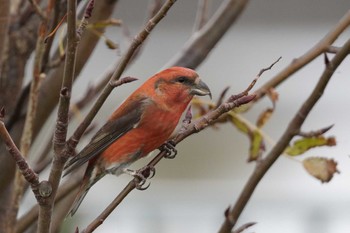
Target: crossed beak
200	88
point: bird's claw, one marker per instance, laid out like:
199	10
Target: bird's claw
170	150
141	176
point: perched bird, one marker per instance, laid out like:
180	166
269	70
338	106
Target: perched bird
143	122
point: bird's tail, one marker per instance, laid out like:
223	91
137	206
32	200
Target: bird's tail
78	199
88	181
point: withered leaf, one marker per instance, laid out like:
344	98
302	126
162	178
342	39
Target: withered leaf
264	117
321	168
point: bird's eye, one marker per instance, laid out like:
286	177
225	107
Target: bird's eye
182	79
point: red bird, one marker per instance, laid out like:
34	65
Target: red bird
143	122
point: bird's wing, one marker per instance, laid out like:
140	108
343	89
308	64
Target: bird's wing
109	133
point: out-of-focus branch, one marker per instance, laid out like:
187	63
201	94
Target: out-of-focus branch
203	41
4	25
201	15
57	13
292	130
321	47
38	9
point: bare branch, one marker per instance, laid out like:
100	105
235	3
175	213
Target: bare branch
22	164
38	9
87	15
292	130
298	63
203	41
31	216
201	15
244	227
260	73
315	133
4	25
45	213
122	81
38	188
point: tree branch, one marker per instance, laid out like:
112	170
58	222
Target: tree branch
321	47
31	216
22	164
203	41
38	10
45	210
201	15
292	130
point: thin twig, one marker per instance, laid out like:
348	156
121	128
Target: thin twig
244	227
315	133
260	73
201	15
292	130
87	15
38	10
27	172
54	30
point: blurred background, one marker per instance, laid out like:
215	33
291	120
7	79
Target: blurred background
191	192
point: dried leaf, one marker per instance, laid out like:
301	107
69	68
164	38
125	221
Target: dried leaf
302	145
110	44
273	95
264	117
106	23
321	168
257	146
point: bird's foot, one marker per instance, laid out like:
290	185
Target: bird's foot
169	148
141	176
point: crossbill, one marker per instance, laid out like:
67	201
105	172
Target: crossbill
143	122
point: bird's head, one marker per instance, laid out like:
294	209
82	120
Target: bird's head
178	85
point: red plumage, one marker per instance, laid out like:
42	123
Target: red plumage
143	122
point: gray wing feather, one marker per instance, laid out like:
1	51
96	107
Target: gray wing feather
102	139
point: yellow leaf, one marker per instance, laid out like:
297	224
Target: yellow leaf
302	145
257	146
321	168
